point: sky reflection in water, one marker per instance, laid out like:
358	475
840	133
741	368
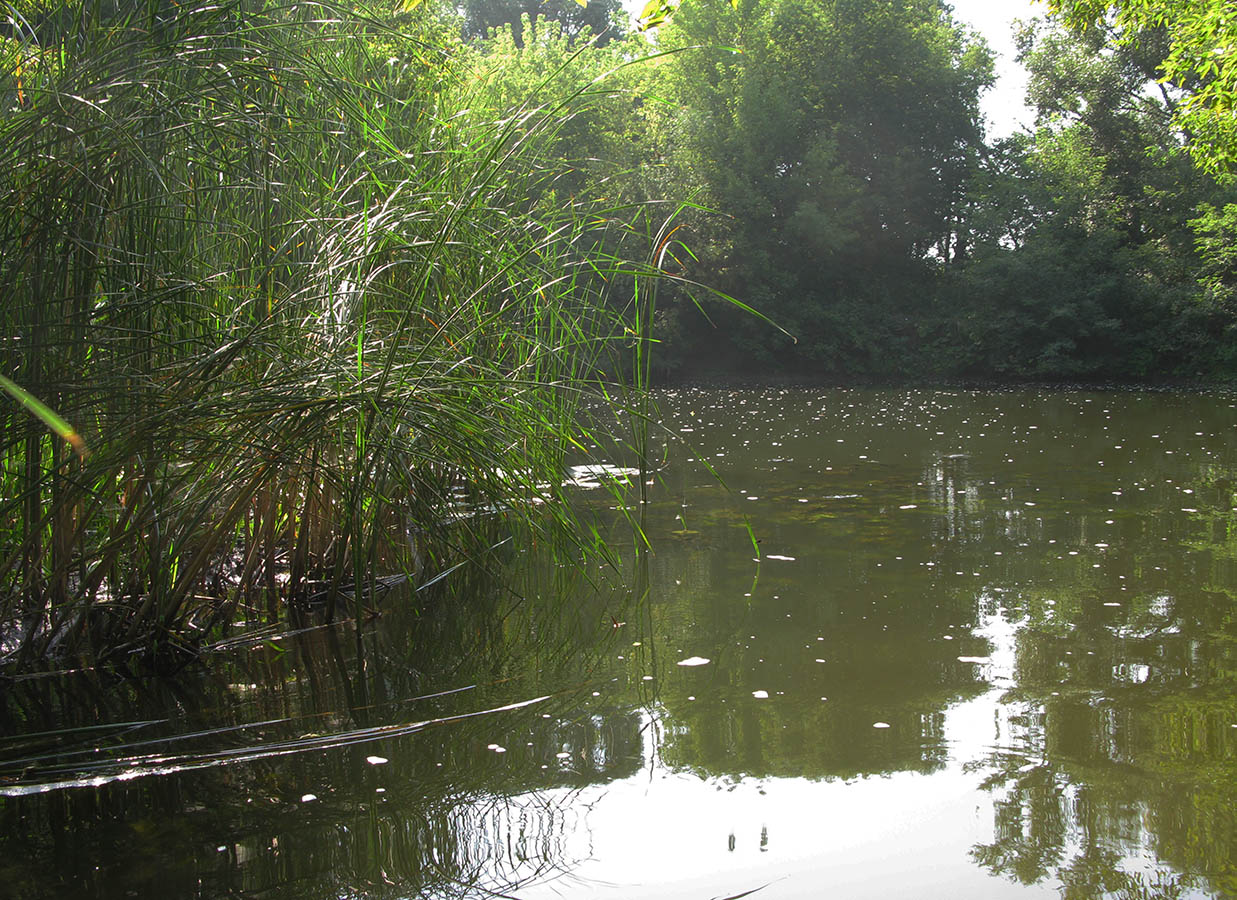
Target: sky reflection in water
987	652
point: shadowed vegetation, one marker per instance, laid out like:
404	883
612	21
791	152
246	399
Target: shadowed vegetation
316	317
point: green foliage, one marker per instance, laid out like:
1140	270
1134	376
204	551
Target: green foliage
837	137
1216	231
1085	269
596	139
309	281
841	185
1199	59
309	295
600	19
44	414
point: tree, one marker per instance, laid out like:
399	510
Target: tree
837	136
1200	59
601	18
1087	267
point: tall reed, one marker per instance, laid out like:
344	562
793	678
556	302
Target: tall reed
308	311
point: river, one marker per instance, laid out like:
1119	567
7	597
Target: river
887	643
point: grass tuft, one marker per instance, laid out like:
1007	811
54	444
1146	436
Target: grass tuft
319	321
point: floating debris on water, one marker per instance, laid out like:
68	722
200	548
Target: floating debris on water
693	661
760	695
591	476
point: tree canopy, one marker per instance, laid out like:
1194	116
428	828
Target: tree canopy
1199	39
600	18
839	137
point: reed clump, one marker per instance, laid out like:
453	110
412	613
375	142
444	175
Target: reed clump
308	313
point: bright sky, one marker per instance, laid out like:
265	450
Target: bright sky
1003	105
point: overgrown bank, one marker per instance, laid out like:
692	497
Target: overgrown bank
316	285
308	293
867	211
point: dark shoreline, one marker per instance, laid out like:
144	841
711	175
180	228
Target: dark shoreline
723	381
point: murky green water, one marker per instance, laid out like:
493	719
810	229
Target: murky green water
988	650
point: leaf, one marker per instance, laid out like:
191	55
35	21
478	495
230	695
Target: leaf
655	13
652	8
45	414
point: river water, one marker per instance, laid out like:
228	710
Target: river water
887	643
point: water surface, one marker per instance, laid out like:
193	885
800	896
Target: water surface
958	644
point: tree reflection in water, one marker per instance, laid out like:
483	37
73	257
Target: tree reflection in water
1049	642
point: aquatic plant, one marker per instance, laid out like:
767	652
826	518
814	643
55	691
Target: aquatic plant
317	320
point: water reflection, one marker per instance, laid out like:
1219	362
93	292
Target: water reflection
1077	551
324	787
983	646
